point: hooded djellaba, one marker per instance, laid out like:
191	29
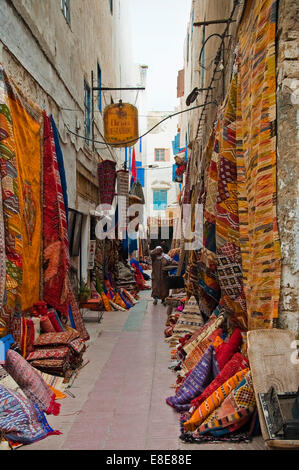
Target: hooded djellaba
160	262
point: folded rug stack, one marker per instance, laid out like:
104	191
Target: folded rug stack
57	353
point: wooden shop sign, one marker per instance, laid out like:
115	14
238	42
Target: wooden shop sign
121	124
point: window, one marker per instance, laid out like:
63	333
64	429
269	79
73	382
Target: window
87	119
99	86
159	155
160	199
111	6
65	7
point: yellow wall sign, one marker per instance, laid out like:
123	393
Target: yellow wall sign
121	124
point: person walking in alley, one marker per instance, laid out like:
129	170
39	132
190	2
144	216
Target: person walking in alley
160	263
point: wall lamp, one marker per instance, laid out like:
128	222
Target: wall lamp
193	95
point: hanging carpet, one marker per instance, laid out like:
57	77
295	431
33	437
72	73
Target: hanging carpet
256	162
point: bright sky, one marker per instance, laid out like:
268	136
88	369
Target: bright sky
159	28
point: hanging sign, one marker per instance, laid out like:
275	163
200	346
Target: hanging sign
121	124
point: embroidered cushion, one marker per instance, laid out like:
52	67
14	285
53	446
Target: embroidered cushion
214	401
21	420
56	339
31	383
234	411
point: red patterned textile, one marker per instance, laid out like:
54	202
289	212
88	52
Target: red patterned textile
78	320
226	350
55	235
52	366
237	362
48	353
53	320
56	339
107	179
31	383
46	325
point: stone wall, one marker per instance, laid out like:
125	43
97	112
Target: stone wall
288	159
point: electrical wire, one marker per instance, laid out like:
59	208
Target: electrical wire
138	138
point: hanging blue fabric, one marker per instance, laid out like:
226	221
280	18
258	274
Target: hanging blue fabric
71	318
60	166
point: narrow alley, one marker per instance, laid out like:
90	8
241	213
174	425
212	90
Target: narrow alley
149	221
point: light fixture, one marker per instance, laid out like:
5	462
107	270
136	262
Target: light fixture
193	95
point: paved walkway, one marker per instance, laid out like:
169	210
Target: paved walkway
119	396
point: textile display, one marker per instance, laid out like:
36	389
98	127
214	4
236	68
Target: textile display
234	411
106	178
196	354
28	131
214	401
53	317
207	278
54	382
27	336
56	339
48	353
11	271
211	326
196	382
21	420
58	353
2	231
122	177
76	314
237	363
55	234
8	382
52	366
226	350
256	162
60	163
189	320
229	264
31	383
199	333
46	325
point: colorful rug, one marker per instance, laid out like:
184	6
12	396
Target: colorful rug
234	411
214	401
188	322
31	383
11	210
196	382
21	420
229	264
236	364
55	235
256	162
107	179
27	129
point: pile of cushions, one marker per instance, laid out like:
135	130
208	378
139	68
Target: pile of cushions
25	398
214	393
57	353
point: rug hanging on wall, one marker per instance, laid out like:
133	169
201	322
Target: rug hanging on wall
107	178
12	259
55	235
256	162
28	129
